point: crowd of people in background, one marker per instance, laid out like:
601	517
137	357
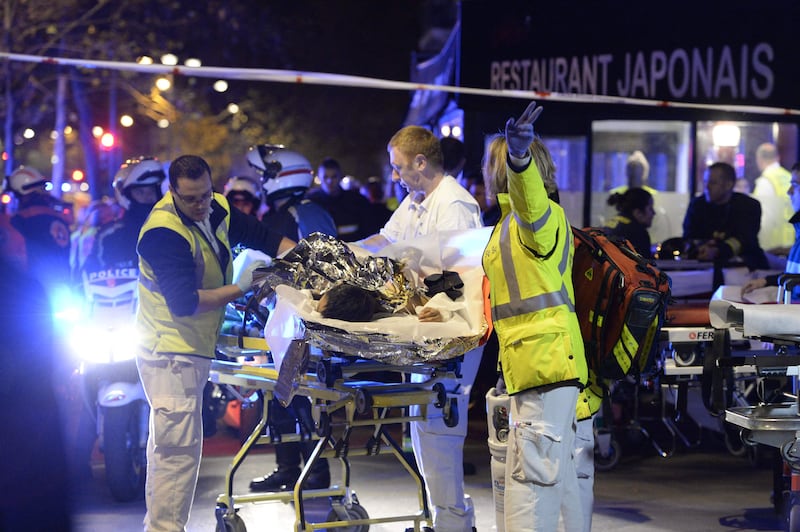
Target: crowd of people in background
283	199
58	238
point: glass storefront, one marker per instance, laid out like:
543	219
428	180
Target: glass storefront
665	148
674	175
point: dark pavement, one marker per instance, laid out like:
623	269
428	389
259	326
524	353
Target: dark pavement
694	490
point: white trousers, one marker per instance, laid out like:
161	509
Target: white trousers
174	388
540	469
584	467
439	451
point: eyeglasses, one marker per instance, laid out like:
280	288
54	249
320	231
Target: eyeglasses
190	200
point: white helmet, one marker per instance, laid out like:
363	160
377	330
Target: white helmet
25	180
136	173
246	186
283	172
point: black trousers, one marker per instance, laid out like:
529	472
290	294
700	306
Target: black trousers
286	420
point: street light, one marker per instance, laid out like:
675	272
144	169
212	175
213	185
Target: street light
163	84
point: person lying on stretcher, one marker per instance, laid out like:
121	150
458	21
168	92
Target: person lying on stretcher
352	303
400	332
364	288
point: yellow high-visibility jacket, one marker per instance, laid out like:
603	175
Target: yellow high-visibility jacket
528	261
159	329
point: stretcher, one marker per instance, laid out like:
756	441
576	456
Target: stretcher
774	424
342	403
327	360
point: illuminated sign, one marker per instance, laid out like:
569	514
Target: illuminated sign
736	72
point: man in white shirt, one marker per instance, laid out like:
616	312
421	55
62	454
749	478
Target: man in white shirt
435	202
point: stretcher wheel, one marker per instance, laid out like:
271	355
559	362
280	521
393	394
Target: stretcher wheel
328	373
363	401
789	457
340	512
610	461
685	357
733	441
747	438
232	523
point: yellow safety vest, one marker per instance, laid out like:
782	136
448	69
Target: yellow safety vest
590	399
531	293
161	331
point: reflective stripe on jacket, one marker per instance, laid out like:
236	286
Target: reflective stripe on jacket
160	330
528	261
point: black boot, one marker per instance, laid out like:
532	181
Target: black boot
319	477
278	480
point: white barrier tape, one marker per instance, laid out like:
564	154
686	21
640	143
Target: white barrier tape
343	80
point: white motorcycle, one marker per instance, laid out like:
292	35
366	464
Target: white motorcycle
104	340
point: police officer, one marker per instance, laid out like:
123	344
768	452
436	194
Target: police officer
286	176
44	223
137	187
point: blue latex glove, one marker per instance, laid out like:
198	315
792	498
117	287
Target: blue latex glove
519	132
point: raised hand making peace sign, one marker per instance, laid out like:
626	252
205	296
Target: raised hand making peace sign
519	133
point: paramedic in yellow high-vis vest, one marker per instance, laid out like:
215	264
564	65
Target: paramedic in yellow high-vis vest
528	261
186	279
770	188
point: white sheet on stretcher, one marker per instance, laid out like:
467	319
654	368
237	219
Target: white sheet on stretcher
459	251
758	320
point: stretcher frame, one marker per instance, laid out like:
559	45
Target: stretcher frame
675	372
333	389
773	424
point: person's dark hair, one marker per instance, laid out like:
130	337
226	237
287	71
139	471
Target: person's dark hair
796	167
189	166
630	200
727	171
329	163
453	154
350	303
